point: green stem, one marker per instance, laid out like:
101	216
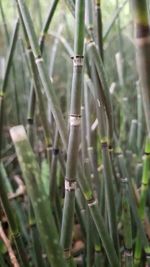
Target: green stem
6	75
75	120
143	197
142	38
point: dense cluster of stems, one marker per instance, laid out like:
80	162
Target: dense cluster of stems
75	155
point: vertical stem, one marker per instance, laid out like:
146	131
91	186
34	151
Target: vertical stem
143	197
75	121
142	38
99	27
7	72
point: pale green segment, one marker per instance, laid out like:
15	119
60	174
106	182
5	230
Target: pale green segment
140	12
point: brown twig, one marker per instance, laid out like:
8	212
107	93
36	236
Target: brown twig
7	243
20	190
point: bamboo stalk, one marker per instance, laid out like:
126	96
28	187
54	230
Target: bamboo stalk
74	121
103	91
126	221
6	75
142	40
142	202
30	115
13	66
139	117
89	15
47	23
90	149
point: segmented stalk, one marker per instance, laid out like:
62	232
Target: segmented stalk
143	197
126	217
142	39
74	122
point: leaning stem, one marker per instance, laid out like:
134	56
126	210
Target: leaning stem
43	214
44	77
7	243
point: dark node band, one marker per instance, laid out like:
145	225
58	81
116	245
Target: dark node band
110	148
67	253
142	31
30	121
147	254
75	115
38	57
128	251
146	153
104	144
144	184
55	151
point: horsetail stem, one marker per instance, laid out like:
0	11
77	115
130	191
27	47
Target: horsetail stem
47	23
6	75
143	196
99	27
74	123
142	39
